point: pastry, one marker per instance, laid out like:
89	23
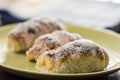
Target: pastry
50	42
79	56
22	37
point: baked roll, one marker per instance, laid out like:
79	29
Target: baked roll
22	37
79	56
50	42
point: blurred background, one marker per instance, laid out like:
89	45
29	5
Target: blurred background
88	13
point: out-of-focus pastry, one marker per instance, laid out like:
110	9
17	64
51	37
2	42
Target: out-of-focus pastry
79	56
22	37
50	42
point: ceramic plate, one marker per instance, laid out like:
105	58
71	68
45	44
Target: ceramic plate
18	64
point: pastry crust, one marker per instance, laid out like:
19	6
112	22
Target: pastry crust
79	56
50	42
22	37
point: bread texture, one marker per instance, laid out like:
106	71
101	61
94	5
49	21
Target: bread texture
79	56
24	34
50	42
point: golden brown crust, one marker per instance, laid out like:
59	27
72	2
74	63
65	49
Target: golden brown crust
28	31
81	47
74	57
51	42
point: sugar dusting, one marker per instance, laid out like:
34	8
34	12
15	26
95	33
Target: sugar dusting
30	30
77	56
52	41
79	47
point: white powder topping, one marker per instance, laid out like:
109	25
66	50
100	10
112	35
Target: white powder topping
78	56
39	25
79	47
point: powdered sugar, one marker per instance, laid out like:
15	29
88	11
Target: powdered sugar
79	47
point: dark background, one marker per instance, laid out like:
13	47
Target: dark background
7	18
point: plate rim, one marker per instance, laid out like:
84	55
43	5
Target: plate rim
108	71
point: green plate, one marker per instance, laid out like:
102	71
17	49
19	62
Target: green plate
18	64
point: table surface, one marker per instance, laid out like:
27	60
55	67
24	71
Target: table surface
8	76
